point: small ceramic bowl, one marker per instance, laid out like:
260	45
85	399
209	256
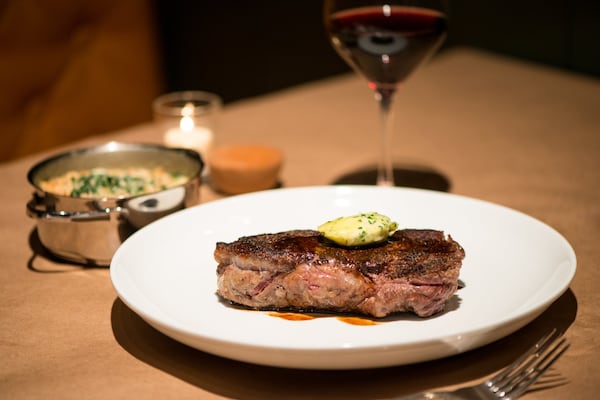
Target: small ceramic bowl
237	169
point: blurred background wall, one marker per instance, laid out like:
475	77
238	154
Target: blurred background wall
244	48
70	69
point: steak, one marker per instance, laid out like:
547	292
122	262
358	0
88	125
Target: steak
299	270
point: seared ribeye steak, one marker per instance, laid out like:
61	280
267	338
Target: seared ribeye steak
414	270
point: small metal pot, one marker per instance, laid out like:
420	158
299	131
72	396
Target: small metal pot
88	230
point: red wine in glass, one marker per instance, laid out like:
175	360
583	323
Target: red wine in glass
385	43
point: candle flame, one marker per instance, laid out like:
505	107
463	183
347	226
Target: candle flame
186	124
188	109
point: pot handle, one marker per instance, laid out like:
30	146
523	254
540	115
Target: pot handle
33	211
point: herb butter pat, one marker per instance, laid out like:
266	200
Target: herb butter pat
358	230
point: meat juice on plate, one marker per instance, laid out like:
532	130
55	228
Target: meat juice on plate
386	43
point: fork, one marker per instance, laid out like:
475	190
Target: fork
514	380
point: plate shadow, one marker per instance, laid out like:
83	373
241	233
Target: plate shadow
245	381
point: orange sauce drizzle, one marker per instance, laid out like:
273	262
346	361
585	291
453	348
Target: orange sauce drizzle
357	321
290	316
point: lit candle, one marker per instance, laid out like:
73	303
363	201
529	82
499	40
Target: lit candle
188	135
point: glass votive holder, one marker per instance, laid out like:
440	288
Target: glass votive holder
188	119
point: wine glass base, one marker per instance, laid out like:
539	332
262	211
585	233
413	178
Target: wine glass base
414	177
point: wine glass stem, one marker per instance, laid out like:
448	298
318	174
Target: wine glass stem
385	168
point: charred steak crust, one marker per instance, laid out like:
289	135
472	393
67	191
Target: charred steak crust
415	270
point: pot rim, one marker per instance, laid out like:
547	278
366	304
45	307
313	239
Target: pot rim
112	147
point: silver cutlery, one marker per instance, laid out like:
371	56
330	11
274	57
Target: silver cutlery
514	380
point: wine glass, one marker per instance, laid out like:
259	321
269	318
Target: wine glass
385	41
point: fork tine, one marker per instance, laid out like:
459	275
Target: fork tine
514	366
539	368
518	376
515	379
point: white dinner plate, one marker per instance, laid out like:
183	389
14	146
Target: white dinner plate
515	267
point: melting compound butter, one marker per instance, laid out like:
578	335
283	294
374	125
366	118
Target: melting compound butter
358	230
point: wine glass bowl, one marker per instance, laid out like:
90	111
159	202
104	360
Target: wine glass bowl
385	41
